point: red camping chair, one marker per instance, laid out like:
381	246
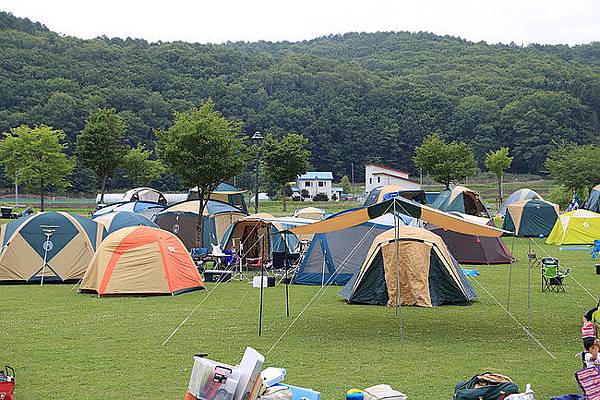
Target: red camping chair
7	383
254	263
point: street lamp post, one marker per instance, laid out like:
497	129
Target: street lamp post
257	139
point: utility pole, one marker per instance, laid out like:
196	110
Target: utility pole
353	174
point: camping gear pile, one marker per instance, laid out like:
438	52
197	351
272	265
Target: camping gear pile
212	380
7	383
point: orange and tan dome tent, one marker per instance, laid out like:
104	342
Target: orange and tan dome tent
141	260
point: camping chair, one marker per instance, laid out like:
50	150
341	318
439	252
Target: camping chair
281	259
256	263
553	276
199	255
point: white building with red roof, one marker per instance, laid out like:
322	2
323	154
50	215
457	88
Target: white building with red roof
378	175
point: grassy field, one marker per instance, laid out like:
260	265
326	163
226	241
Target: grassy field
66	345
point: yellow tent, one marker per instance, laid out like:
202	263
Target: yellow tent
575	227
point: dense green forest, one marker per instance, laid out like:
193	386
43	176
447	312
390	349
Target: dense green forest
357	97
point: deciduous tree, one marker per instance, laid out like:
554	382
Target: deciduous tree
35	157
445	162
101	145
203	148
498	162
285	160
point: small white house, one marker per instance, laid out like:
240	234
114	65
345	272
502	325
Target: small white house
316	182
379	175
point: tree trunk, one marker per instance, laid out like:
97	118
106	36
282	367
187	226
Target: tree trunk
102	190
499	191
283	196
200	223
42	203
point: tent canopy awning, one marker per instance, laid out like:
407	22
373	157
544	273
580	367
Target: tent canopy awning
404	206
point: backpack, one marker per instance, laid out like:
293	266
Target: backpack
487	386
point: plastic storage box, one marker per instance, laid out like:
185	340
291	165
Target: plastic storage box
211	380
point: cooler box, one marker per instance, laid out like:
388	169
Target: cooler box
211	380
213	275
7	384
268	281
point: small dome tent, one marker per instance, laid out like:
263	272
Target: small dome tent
226	193
519	195
182	220
428	275
141	260
383	193
575	227
145	194
53	246
310	213
462	200
147	209
122	219
531	218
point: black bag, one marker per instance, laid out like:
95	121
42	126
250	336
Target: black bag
487	386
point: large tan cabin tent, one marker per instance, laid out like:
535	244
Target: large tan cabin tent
141	260
53	246
418	262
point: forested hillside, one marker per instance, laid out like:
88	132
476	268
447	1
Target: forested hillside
368	97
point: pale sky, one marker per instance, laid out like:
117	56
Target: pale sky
521	21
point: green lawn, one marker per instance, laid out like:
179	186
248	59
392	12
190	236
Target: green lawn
66	345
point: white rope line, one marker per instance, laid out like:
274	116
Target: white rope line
516	320
321	289
196	308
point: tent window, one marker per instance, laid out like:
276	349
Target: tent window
307	184
378	179
370	181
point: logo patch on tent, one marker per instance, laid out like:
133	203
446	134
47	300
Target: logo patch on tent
586	225
172	249
176	229
48	245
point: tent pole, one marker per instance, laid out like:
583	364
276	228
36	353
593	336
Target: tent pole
262	284
509	286
285	268
397	262
529	289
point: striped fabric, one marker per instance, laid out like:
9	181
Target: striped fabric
589	381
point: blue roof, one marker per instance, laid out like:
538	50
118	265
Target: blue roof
313	175
337	189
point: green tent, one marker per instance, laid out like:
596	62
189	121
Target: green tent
462	200
532	218
418	263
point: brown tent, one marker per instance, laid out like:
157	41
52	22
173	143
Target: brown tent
415	260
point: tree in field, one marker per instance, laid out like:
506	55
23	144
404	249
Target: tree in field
203	148
101	145
284	160
140	168
345	184
35	158
575	167
445	162
498	162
